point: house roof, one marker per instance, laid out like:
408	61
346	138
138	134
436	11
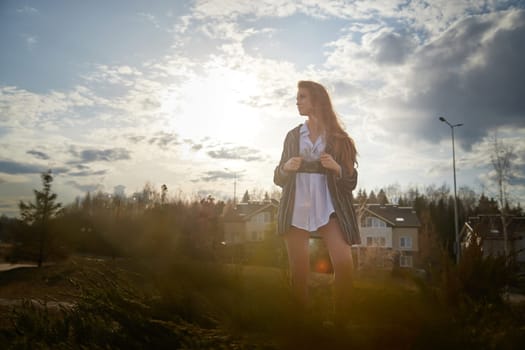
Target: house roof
244	211
489	226
394	215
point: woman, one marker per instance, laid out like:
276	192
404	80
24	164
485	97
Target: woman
317	175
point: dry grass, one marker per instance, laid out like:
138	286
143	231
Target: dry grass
207	305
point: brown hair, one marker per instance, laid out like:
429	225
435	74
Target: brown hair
337	139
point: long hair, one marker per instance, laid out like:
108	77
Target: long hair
336	137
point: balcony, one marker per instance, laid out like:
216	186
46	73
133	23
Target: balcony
378	235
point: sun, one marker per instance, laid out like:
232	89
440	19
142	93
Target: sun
216	105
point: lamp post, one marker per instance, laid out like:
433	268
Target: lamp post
457	246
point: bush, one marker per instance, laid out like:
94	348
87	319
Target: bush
477	278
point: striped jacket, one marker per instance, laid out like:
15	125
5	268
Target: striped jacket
340	190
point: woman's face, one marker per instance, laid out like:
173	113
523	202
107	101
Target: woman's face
304	102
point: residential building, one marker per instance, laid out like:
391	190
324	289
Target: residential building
389	235
489	229
249	222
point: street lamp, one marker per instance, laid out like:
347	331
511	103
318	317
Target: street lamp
457	246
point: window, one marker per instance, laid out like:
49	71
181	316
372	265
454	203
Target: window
264	217
255	236
405	242
405	261
374	222
375	241
236	237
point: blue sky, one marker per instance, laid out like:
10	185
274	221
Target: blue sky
192	94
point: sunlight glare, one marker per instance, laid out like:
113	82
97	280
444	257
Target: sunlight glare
217	105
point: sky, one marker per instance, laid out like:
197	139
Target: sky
199	95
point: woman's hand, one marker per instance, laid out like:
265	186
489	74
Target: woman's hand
292	164
328	162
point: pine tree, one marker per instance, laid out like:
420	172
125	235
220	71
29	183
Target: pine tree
245	197
381	197
38	214
486	205
361	196
372	199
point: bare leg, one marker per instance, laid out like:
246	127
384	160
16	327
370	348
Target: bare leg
299	261
341	257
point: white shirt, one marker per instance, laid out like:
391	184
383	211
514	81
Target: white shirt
313	202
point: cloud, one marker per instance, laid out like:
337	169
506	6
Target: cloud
391	47
242	153
135	138
160	139
150	18
84	187
194	145
20	107
392	68
487	92
38	154
20	168
216	175
233	9
100	155
30	40
164	139
472	74
13	167
27	10
116	75
86	171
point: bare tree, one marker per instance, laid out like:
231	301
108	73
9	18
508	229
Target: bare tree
502	158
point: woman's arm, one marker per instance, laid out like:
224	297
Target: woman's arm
280	175
348	181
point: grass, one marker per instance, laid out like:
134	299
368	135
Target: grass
183	304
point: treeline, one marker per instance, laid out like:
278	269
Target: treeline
149	223
116	226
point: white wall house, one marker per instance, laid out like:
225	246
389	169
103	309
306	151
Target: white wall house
388	232
249	222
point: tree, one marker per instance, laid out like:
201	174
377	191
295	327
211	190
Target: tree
245	197
37	215
382	198
164	192
502	161
372	199
393	192
362	197
486	205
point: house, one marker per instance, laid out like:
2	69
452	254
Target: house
249	222
389	234
489	229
